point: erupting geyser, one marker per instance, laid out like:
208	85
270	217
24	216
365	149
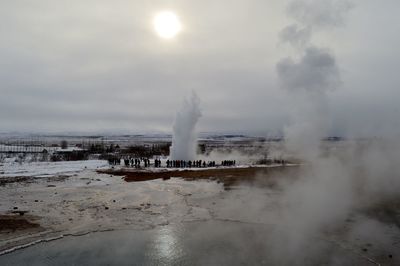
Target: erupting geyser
184	139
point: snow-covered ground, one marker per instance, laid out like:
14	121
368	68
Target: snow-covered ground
10	168
93	202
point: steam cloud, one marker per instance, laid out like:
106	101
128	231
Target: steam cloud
336	184
315	72
184	139
309	76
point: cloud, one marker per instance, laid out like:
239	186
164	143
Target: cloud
316	13
63	64
295	36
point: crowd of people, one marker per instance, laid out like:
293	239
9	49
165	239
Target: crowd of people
189	164
136	162
114	160
145	162
228	163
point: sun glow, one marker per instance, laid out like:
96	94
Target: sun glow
167	24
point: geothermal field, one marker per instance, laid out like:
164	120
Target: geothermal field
340	208
187	132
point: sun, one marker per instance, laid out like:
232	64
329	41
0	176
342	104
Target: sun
167	24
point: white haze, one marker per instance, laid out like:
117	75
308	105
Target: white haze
334	195
335	184
184	138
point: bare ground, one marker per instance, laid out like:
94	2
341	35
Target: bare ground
100	201
228	176
14	222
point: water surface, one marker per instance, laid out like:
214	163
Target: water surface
199	243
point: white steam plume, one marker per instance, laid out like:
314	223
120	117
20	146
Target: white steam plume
309	76
184	139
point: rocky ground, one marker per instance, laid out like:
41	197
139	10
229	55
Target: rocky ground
35	208
40	209
94	202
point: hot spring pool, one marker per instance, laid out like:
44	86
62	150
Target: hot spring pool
196	243
206	243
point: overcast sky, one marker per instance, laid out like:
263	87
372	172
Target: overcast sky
97	65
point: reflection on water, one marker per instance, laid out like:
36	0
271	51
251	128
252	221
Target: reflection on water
205	243
166	246
199	243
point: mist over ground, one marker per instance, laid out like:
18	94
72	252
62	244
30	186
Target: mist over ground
299	71
343	190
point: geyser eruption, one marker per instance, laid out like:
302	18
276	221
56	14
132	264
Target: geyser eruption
184	139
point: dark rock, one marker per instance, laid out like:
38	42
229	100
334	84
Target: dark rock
21	213
36	200
106	208
15	208
390	256
15	223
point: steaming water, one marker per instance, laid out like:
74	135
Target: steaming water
198	243
186	244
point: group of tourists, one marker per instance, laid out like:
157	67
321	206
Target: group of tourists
189	164
228	163
114	160
157	163
136	162
145	162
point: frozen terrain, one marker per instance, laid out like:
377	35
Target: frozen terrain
12	168
168	219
